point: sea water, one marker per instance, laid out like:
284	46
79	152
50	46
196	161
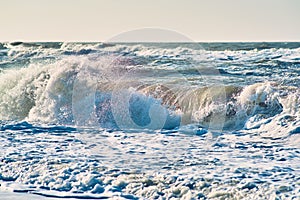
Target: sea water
150	120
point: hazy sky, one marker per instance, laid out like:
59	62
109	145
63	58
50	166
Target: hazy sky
200	20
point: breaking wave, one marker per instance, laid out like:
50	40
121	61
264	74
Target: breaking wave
111	92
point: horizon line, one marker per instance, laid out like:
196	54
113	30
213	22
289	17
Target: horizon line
199	41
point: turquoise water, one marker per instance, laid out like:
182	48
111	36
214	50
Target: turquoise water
150	121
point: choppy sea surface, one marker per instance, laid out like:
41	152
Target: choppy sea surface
150	120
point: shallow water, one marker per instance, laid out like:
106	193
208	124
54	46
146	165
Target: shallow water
150	121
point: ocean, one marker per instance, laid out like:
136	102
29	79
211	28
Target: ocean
150	120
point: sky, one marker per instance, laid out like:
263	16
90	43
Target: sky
102	20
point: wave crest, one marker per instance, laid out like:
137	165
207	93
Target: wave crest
46	94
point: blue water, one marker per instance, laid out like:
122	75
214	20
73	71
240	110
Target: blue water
150	121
